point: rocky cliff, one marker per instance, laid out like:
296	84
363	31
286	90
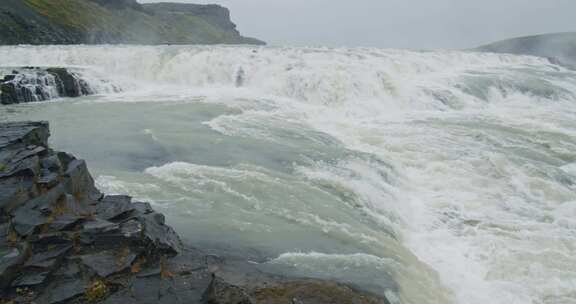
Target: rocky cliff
115	21
560	47
63	241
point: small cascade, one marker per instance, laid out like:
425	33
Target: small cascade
32	84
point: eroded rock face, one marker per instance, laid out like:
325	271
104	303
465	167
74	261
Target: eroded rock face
62	241
59	232
38	84
114	21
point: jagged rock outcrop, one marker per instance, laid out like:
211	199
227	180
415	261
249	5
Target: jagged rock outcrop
32	84
114	21
560	48
62	241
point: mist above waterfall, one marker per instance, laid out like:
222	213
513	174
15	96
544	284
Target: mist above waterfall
419	24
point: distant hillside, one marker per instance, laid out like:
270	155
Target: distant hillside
560	46
115	21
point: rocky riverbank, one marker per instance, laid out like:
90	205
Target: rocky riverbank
63	241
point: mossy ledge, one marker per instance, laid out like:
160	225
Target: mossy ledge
64	242
115	22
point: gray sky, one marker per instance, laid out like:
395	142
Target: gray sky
397	23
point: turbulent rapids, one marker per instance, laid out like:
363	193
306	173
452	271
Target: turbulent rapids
429	177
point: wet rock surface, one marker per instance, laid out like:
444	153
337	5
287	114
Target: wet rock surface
62	241
31	84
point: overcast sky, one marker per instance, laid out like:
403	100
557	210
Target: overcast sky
421	24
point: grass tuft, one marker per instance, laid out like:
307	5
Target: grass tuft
96	291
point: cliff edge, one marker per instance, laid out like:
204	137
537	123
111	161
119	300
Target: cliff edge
115	22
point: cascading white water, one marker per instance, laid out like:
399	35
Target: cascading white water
466	160
402	79
30	84
40	86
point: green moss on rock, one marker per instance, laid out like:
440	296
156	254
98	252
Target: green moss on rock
79	14
95	21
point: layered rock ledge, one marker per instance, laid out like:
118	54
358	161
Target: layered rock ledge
63	241
30	84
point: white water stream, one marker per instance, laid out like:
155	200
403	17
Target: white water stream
432	177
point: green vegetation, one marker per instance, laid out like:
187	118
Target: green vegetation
85	21
96	291
78	14
185	26
91	18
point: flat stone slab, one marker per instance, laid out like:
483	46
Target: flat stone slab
109	262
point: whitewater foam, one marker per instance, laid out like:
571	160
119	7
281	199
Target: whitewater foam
470	165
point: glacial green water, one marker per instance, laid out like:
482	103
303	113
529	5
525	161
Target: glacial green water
430	177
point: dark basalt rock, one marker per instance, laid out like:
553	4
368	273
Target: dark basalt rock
63	291
31	84
115	207
221	292
46	259
62	241
69	84
105	263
